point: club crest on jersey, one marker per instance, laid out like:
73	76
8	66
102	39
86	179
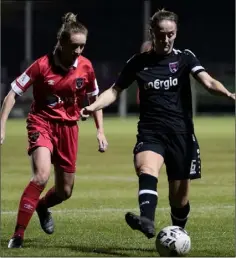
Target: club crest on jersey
34	136
174	67
79	82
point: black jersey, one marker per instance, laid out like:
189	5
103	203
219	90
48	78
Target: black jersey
165	90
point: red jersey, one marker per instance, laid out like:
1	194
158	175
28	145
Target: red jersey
58	95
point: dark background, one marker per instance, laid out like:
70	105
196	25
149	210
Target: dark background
116	28
116	32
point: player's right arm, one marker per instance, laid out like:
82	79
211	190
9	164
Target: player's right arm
18	87
126	77
104	100
7	106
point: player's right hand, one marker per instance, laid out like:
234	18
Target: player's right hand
86	112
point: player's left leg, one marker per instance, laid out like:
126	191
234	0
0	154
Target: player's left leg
62	191
179	201
183	164
65	167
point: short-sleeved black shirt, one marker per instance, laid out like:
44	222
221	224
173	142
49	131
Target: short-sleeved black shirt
165	90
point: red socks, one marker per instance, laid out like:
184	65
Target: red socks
50	199
27	206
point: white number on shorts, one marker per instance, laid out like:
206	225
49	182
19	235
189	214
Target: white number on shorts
193	167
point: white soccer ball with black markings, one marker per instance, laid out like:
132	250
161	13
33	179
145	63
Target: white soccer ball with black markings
173	241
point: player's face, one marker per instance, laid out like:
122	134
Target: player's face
164	36
74	46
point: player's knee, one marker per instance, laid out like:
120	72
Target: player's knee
144	169
40	179
65	194
178	201
41	173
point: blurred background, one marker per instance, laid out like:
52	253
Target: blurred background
117	30
106	185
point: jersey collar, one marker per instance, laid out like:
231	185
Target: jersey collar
153	52
58	63
76	62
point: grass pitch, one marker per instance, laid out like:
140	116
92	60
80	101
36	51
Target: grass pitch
91	223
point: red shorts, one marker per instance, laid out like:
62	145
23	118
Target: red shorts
61	138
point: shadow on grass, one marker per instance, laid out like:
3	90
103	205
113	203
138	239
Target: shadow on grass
110	251
118	251
28	242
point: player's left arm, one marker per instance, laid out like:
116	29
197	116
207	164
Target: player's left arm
199	73
92	94
213	86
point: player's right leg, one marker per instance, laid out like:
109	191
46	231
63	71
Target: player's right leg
148	160
40	149
41	163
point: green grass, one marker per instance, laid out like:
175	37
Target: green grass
91	223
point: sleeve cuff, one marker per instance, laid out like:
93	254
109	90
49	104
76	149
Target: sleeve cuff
16	88
197	69
93	93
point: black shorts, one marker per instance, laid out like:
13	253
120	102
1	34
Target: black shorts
181	152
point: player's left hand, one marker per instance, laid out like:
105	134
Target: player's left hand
232	96
102	142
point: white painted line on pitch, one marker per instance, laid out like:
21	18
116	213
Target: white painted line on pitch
102	178
101	210
125	178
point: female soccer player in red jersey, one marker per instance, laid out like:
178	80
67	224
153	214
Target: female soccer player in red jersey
60	81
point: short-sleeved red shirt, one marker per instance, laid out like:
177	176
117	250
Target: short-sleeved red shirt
58	95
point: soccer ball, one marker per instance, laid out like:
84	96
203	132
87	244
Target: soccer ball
173	241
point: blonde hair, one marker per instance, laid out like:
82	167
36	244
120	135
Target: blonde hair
70	25
69	18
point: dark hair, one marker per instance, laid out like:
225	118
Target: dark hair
70	25
157	17
161	15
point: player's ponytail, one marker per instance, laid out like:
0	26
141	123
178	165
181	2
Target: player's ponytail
69	18
70	25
